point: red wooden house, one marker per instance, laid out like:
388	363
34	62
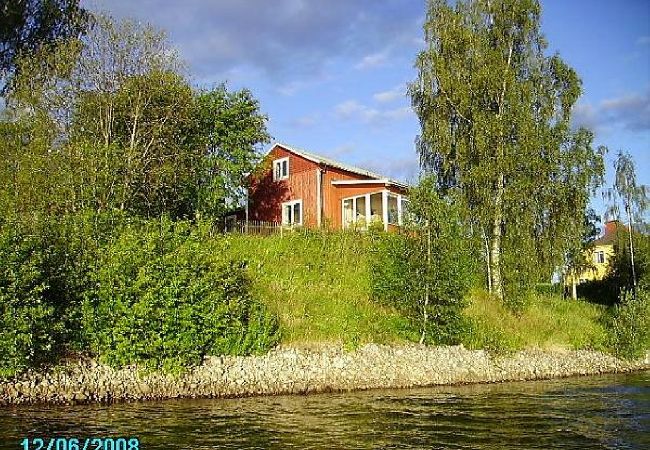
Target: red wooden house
295	187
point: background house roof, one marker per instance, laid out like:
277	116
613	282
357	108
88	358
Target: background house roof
332	163
610	234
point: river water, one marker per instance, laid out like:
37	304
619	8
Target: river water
610	411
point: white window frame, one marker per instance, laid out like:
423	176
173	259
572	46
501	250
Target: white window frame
599	257
279	162
401	199
291	204
384	200
355	213
398	199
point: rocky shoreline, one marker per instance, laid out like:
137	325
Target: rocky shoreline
297	371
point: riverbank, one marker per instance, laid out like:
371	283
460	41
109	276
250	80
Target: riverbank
299	371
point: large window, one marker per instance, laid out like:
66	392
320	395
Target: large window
355	211
393	213
381	207
405	214
292	213
281	169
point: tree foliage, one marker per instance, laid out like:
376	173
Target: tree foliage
495	117
103	133
634	200
165	296
426	269
27	25
630	327
122	128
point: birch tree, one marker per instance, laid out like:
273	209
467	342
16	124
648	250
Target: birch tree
495	115
27	25
632	196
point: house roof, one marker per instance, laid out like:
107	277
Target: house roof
610	234
318	159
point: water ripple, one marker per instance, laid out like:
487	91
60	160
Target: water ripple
608	412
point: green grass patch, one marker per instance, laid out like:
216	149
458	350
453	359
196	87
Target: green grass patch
318	284
547	322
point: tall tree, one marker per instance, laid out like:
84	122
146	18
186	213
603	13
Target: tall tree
230	129
577	257
127	130
632	196
26	25
495	117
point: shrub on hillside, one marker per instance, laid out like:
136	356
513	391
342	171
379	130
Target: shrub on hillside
427	269
631	325
28	323
44	265
164	296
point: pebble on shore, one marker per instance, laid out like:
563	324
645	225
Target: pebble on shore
287	370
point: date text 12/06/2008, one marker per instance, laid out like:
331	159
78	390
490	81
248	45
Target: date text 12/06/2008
68	443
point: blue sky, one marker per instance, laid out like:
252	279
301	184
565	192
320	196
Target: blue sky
331	74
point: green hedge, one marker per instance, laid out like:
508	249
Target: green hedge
165	297
29	326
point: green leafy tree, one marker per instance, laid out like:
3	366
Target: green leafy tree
427	269
632	197
577	260
229	130
27	25
620	275
126	130
495	126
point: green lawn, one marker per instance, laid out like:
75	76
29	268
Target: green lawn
547	322
318	284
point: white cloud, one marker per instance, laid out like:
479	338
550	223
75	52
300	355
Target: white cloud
306	121
630	112
284	39
351	109
390	95
373	60
341	150
405	167
643	40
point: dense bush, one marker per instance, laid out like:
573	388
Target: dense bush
630	326
426	270
28	323
44	267
164	296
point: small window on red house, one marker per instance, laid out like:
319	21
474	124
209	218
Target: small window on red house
292	213
281	169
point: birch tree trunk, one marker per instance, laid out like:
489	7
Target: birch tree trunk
495	249
427	281
629	219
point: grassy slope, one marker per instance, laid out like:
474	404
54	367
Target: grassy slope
547	322
319	286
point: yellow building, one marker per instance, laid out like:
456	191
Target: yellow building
601	253
599	257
